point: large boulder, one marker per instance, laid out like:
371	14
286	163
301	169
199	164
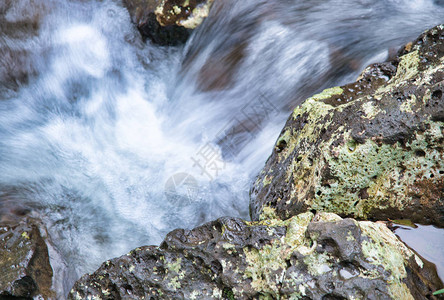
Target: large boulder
372	149
304	257
24	262
167	22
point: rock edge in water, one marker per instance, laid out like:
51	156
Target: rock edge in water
373	149
167	22
25	266
304	257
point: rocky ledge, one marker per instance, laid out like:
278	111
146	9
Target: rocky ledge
167	22
25	267
304	257
372	149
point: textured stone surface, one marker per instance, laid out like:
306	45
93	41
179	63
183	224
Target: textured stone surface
185	13
370	149
24	262
305	257
167	22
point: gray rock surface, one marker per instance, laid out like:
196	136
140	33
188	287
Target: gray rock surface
304	257
372	149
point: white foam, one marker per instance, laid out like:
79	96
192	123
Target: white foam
94	139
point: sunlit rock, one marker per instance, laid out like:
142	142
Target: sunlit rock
168	22
370	149
185	13
309	256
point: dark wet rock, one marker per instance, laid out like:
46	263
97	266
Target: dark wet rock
305	257
163	35
142	13
12	207
167	22
24	262
372	149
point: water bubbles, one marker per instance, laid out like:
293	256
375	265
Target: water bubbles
85	49
111	13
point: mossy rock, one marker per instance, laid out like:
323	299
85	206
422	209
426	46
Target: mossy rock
372	149
167	22
304	257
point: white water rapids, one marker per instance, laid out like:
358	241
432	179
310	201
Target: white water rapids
114	142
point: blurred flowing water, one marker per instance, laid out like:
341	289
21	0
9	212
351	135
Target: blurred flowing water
114	142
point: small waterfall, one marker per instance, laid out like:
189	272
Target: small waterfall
114	142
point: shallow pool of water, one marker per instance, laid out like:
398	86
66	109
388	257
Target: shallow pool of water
427	241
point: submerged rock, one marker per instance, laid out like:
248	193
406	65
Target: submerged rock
370	149
20	21
24	262
305	257
167	22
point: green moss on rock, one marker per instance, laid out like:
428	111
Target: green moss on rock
369	149
187	13
300	258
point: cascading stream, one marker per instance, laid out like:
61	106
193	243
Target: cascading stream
114	142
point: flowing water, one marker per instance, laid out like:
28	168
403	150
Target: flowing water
113	141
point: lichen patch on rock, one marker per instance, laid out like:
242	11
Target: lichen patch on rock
370	149
235	259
